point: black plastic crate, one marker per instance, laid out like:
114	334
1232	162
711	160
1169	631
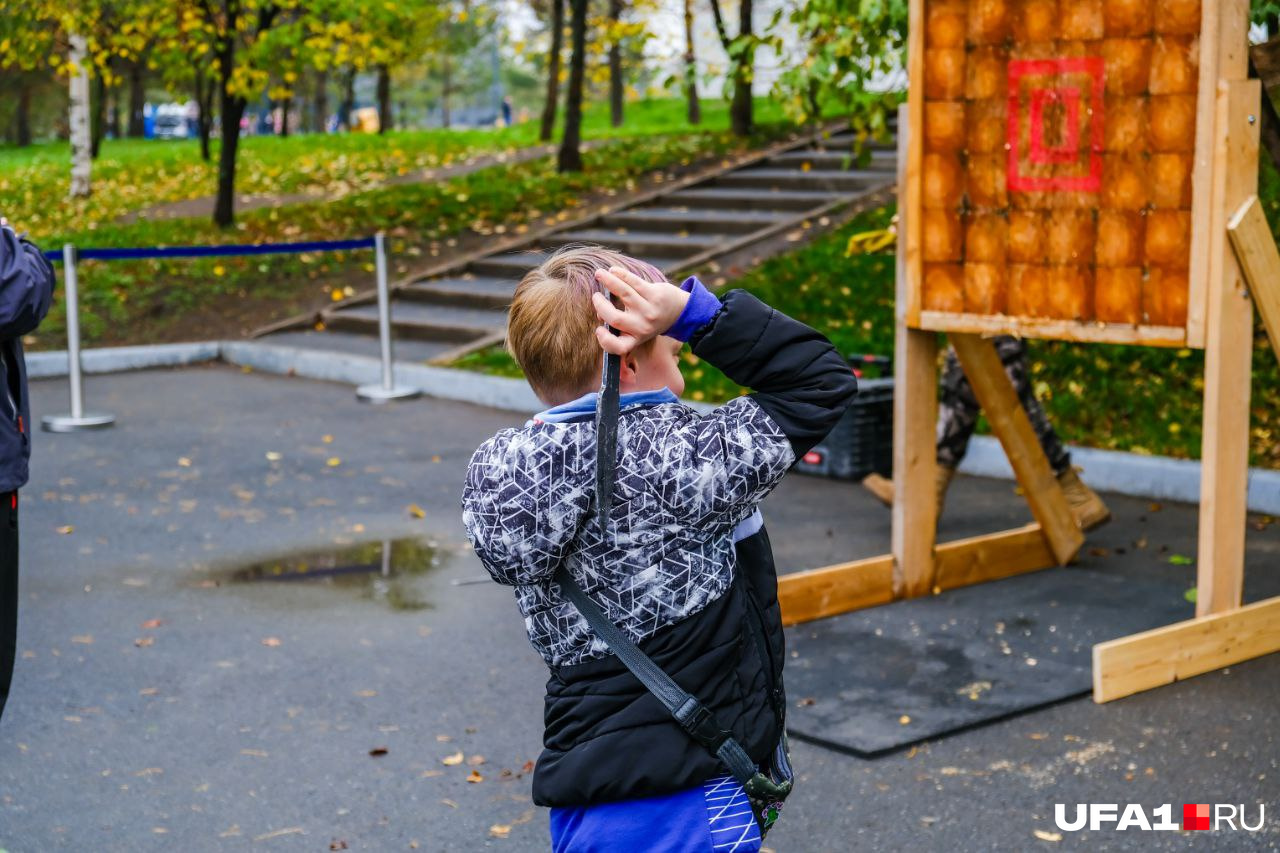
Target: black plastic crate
862	441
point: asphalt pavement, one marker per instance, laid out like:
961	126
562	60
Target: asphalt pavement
167	698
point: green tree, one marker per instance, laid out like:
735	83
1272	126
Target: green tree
741	50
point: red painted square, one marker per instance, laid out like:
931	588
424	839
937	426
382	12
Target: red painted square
1088	177
1195	816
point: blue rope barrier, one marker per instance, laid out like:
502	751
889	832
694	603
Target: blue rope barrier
215	251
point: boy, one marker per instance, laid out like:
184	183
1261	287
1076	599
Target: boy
618	771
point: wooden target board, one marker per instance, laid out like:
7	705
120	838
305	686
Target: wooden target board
1058	179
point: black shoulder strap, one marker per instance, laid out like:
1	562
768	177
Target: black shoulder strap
694	717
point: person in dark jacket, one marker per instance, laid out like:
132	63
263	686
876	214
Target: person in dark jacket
26	289
686	557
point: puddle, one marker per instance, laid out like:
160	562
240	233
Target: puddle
392	572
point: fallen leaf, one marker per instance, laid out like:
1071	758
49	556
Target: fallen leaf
327	439
417	511
431	774
499	830
443	738
337	844
1047	836
435	457
83	639
149	691
273	456
806	702
1099	552
143	642
378	751
66	529
366	693
452	760
474	776
527	767
904	720
1180	560
1155	507
152	623
450	803
292	830
271	641
256	753
475	760
1191	595
184	462
333	462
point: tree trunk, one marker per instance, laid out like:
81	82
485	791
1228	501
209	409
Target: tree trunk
232	110
616	82
285	106
348	105
385	120
691	67
137	102
320	103
97	115
204	122
553	71
570	159
740	109
22	115
447	73
78	117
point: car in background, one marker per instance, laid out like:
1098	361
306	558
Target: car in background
171	122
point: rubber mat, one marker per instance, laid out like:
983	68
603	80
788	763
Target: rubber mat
881	679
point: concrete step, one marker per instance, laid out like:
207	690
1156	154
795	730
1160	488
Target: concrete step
358	344
463	290
509	267
834	158
752	198
640	243
693	220
420	321
796	179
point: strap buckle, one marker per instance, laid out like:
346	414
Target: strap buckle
696	719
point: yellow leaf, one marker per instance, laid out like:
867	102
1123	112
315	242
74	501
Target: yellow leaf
333	462
336	295
273	456
184	462
904	720
327	439
219	270
1047	836
66	529
452	760
499	830
474	776
417	511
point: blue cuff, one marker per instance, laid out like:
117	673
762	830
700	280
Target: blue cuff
698	311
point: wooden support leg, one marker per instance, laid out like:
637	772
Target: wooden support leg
1011	425
915	399
1228	358
1260	262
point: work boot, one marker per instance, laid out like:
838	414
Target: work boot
1086	506
882	487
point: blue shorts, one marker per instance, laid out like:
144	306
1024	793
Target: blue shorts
714	817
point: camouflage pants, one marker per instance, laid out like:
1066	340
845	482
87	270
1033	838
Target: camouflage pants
958	408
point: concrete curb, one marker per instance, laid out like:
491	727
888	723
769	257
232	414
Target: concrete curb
51	365
1156	477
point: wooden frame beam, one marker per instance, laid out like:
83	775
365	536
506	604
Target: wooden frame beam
1260	263
1011	425
1176	652
845	587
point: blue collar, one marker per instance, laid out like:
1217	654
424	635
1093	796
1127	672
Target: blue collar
586	405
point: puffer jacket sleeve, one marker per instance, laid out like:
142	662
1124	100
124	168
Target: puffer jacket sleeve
26	285
525	495
725	463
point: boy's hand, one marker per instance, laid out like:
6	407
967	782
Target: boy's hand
649	309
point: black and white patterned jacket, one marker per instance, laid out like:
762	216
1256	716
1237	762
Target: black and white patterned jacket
684	523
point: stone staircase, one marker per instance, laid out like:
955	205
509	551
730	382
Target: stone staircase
678	228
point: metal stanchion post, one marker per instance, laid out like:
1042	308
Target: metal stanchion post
77	420
387	390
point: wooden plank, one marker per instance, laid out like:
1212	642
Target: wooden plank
1063	330
1176	652
911	115
991	557
1228	357
1260	263
915	413
1011	425
832	590
845	587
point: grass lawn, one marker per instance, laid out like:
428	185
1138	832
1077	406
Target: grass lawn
135	174
1142	399
151	301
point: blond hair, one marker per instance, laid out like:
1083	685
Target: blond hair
551	325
